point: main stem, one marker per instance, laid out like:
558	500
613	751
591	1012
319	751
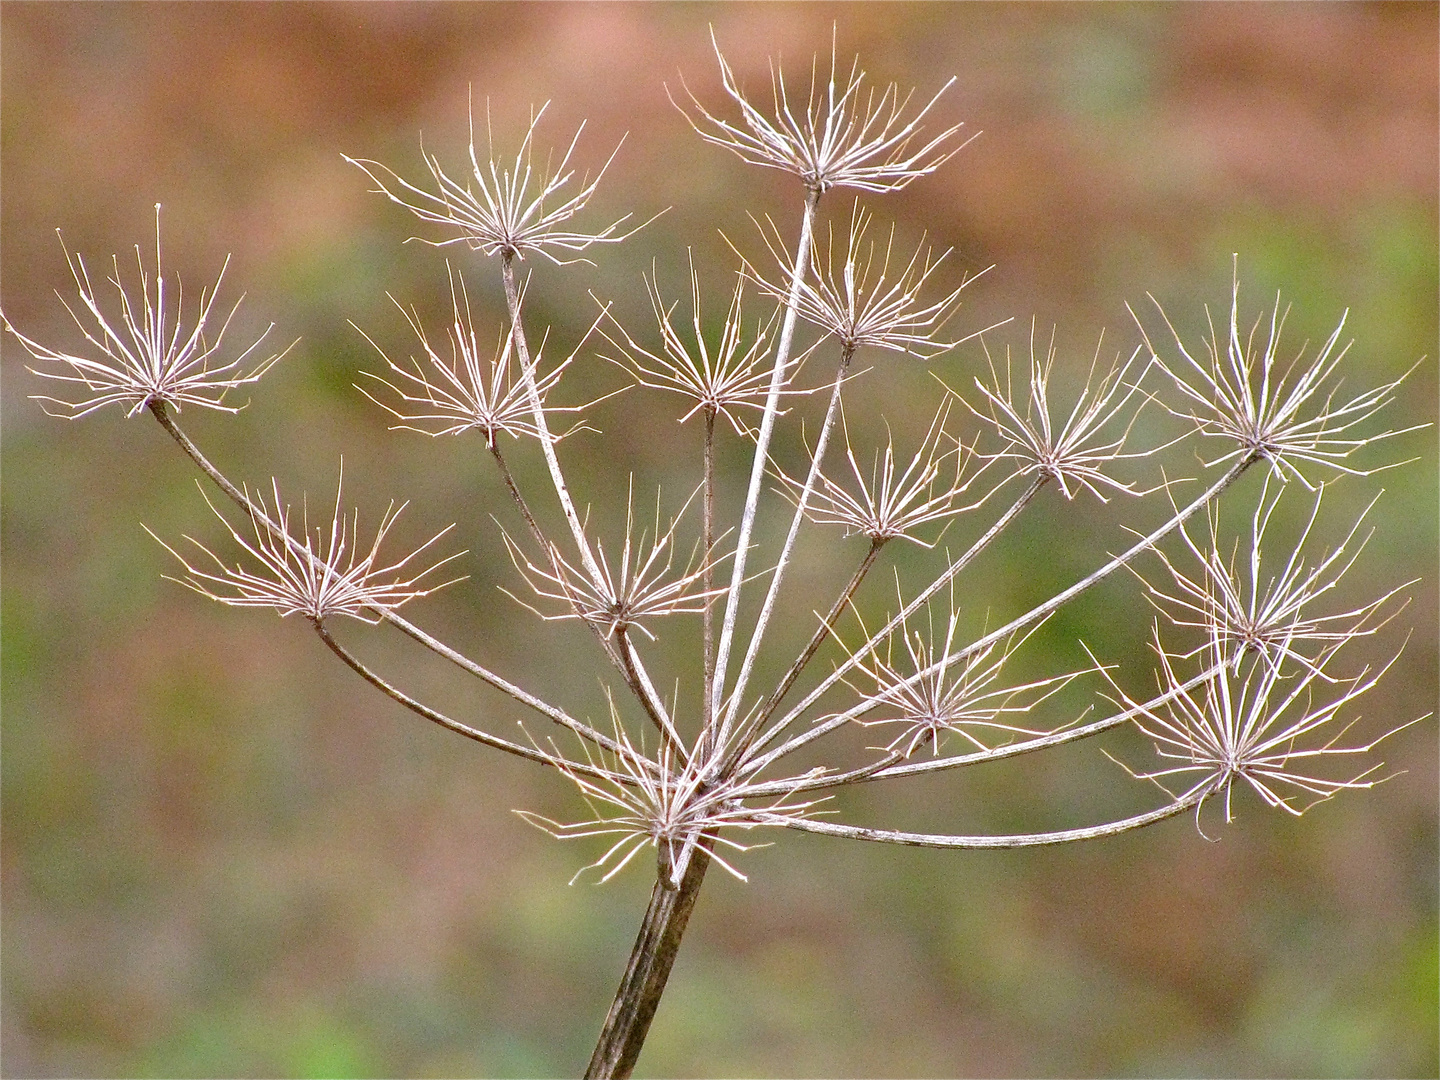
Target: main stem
651	959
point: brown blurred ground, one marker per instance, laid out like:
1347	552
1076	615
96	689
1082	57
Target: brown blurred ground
224	856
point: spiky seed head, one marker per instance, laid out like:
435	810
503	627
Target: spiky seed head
146	354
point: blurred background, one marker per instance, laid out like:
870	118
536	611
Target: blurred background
223	855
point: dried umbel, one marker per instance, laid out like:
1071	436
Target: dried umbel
147	355
505	208
843	136
1253	681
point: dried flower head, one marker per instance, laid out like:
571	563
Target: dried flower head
845	136
147	355
1291	416
1076	452
1274	730
640	586
1270	615
860	298
933	693
722	380
893	501
311	574
510	210
464	392
671	808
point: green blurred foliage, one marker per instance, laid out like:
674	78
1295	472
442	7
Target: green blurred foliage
223	856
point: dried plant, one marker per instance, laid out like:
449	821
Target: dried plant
1265	697
504	211
464	392
150	357
1291	416
315	576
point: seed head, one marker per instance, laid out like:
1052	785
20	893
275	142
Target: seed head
725	379
312	574
1292	415
865	295
464	391
508	210
146	354
844	136
1252	612
1260	723
1074	453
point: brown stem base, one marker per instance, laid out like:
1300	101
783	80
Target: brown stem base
650	962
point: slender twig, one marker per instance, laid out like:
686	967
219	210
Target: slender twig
822	632
257	514
716	734
889	768
1035	614
629	666
707	540
419	708
1018	840
778	574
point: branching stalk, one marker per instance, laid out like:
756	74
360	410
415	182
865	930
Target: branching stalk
757	470
1251	696
888	768
941	840
822	632
1032	616
707	541
629	665
751	765
778	574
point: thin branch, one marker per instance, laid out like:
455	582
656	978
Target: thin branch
751	764
707	539
1033	615
823	631
557	477
889	769
1019	840
778	574
757	471
257	514
483	737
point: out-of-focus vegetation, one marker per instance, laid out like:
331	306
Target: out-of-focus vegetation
224	855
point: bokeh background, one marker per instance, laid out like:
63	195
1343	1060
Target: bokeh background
223	855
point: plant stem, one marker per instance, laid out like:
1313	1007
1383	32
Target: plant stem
716	738
1191	798
258	515
766	609
628	1022
707	541
822	632
484	737
629	665
493	446
537	408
